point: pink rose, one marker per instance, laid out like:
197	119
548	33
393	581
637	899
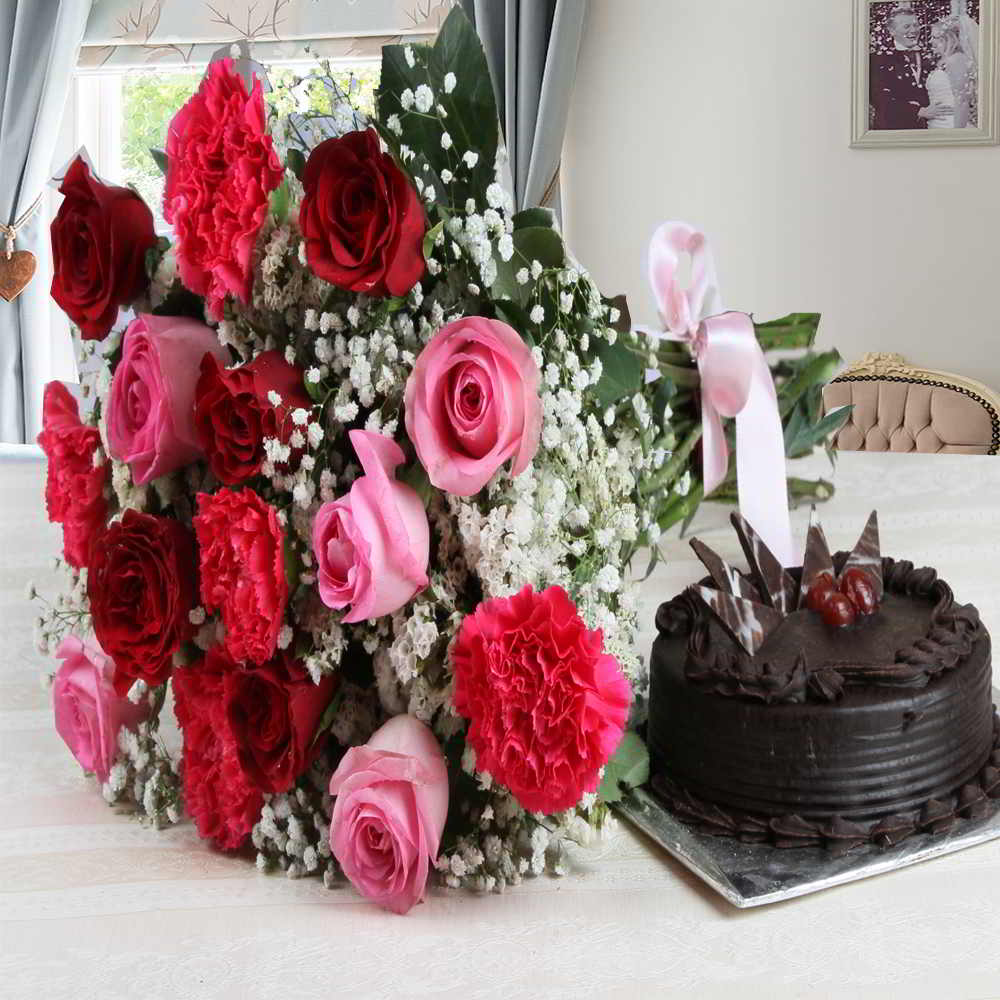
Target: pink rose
472	403
151	408
372	545
88	712
392	802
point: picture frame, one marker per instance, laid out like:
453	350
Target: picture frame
925	39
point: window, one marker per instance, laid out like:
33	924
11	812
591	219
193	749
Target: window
120	116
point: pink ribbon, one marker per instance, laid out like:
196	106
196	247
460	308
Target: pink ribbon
735	382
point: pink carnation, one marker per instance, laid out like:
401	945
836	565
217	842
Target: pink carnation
242	569
546	705
217	794
74	483
221	168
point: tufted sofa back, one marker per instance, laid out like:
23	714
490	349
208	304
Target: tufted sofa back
901	408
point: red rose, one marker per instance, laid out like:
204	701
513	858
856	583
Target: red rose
273	711
361	217
74	485
233	415
242	569
221	168
223	803
142	586
546	705
100	236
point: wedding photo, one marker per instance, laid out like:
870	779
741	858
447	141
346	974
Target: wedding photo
926	73
499	500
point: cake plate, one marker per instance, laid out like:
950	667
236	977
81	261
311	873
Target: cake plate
757	874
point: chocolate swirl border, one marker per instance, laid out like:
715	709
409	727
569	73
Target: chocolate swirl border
971	800
730	671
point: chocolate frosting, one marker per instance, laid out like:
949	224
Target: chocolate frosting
918	632
936	815
827	736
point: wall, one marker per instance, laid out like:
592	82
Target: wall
735	115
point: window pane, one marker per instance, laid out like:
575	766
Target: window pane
149	101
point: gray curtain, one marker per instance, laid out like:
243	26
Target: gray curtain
39	41
532	48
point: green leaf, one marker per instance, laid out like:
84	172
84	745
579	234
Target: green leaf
430	237
181	302
624	322
796	330
541	244
621	375
292	563
316	391
279	202
326	720
817	370
628	768
470	109
415	476
160	158
295	160
531	217
807	436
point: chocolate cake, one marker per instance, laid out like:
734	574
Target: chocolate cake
843	702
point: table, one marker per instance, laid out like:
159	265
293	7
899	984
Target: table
94	905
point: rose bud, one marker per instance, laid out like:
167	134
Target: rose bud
372	545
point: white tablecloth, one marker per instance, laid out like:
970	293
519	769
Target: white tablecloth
94	905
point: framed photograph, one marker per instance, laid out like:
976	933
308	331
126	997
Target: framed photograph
925	73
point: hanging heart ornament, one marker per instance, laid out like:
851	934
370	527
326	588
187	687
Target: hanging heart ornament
15	272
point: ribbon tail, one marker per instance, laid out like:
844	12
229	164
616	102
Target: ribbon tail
714	450
760	468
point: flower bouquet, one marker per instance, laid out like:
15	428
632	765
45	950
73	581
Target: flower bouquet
355	481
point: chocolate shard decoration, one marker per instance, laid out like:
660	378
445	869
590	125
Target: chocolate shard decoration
817	557
726	578
776	587
867	554
748	622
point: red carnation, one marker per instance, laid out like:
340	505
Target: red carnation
142	587
273	711
361	217
100	236
221	168
546	706
74	484
241	547
218	796
233	414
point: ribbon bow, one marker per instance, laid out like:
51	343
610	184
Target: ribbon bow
735	382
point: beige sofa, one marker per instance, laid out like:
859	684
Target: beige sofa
901	408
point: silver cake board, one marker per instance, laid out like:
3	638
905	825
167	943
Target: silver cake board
757	874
